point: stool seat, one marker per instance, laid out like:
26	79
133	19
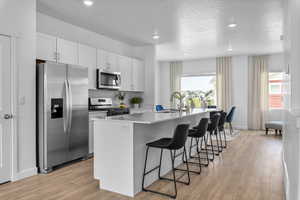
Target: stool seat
193	133
161	143
274	125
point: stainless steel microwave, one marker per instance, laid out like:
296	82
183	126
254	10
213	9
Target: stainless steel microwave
108	80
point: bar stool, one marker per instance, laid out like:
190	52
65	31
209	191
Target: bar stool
171	144
198	133
221	129
213	130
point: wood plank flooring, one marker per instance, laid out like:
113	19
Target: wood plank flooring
250	169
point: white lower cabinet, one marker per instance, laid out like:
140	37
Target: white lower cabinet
91	137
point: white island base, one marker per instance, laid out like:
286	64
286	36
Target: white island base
120	145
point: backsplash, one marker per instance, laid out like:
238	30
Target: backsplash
112	94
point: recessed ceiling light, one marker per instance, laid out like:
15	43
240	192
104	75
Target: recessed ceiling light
229	49
88	2
155	36
232	25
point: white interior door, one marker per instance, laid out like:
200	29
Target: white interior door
5	110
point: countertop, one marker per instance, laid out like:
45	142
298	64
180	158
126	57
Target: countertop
154	117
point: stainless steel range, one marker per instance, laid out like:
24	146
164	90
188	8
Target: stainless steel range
105	104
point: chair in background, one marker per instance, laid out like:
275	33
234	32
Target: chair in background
159	108
229	118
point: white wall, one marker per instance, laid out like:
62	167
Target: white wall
52	26
240	82
291	136
18	19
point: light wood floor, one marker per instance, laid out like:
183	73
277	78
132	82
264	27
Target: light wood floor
250	169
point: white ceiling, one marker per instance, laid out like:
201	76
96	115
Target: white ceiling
188	29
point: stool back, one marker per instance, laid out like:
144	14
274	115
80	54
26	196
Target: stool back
202	127
222	120
229	117
179	137
214	122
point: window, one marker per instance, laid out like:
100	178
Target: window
198	87
275	90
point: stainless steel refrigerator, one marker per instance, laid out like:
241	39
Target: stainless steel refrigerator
63	126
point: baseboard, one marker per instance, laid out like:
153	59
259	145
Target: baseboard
24	174
286	180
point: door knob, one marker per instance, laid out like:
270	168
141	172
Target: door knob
8	116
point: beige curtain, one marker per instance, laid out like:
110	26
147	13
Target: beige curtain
224	82
258	88
175	77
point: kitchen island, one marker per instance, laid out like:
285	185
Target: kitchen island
120	144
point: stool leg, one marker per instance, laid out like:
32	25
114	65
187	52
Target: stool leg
206	152
218	146
224	132
191	144
143	187
173	171
221	143
212	147
161	153
267	130
230	127
187	165
275	131
280	132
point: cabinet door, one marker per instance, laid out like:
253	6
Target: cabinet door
67	52
46	47
107	61
91	137
125	65
101	59
138	76
113	63
88	58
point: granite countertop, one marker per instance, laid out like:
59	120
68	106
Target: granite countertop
154	117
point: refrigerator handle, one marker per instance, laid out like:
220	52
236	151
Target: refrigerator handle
66	110
70	107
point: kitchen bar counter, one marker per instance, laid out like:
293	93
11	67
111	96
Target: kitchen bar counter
155	117
120	144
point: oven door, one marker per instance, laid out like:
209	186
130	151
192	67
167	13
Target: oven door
108	80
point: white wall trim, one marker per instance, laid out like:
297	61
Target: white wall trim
286	179
24	174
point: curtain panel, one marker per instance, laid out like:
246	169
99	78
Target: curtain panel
258	92
224	82
175	78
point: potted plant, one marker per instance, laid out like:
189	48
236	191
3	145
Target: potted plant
178	96
136	101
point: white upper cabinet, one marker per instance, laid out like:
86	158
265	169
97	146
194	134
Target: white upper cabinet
125	66
46	47
87	56
107	61
138	75
67	52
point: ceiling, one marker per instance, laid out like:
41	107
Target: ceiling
188	29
